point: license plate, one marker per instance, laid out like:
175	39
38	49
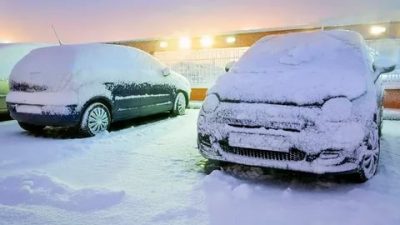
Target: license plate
259	141
31	109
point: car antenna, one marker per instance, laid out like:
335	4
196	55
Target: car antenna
55	33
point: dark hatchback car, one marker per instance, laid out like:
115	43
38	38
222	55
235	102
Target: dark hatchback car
90	86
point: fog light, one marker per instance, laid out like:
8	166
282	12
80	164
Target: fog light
204	140
329	154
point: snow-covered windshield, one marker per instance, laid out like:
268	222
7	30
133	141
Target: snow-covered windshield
337	50
302	68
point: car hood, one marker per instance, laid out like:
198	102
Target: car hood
287	87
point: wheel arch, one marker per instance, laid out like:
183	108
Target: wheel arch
185	94
102	99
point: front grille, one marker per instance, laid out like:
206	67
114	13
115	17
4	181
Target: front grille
266	127
24	87
291	126
292	155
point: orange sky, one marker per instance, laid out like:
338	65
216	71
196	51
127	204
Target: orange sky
110	20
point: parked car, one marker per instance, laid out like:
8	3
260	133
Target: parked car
10	54
303	102
90	86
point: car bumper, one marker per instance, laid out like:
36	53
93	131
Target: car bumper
65	116
277	160
280	137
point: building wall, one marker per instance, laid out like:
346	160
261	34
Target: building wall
392	99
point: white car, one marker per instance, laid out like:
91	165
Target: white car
89	86
304	101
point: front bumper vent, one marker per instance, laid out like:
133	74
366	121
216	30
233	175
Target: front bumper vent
292	155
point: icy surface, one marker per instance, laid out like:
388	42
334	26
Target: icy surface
302	68
36	189
152	174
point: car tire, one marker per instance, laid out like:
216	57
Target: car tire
96	119
35	129
179	104
370	157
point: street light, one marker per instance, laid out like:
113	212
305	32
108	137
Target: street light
163	44
207	41
377	30
185	43
230	40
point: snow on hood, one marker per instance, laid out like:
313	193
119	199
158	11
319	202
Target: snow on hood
67	67
10	54
300	68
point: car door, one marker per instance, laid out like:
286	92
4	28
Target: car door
128	94
157	92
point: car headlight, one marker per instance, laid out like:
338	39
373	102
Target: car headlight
211	103
337	109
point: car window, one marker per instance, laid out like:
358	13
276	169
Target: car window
150	63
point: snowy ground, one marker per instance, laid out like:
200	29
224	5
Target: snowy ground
151	173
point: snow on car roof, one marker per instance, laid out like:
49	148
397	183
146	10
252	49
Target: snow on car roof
301	68
10	54
85	54
83	63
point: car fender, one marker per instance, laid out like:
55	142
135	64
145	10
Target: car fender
88	92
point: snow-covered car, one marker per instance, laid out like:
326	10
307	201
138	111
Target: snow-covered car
10	54
304	102
90	86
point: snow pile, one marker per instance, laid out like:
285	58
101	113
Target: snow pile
10	54
302	68
34	189
287	202
155	162
391	114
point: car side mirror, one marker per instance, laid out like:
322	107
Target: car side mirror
166	71
229	66
383	65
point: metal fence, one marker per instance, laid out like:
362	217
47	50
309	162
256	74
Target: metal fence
201	67
391	80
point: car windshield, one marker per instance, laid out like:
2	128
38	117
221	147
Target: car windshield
301	68
331	51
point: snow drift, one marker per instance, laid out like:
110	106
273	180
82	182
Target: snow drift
34	189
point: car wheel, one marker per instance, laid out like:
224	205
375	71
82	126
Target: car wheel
179	104
31	127
370	156
95	119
